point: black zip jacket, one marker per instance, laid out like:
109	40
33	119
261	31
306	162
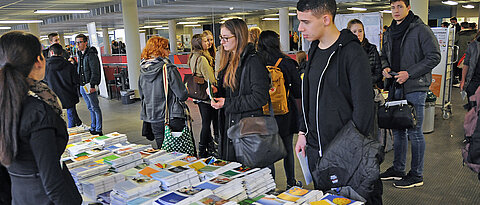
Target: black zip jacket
375	62
345	92
62	78
419	54
89	67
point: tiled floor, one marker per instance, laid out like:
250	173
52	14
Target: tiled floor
446	180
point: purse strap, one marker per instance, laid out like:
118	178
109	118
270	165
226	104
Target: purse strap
270	107
165	89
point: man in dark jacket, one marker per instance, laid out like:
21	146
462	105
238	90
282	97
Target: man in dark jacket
62	78
411	50
54	38
88	70
336	86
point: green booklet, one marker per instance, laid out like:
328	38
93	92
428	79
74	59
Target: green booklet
210	93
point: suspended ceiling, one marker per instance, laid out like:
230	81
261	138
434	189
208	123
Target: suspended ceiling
107	13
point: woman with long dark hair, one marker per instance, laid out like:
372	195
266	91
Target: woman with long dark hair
33	135
150	85
237	57
269	49
200	66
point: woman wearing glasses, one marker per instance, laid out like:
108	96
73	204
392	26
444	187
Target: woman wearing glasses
237	57
33	135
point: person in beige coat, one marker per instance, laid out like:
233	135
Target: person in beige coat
200	63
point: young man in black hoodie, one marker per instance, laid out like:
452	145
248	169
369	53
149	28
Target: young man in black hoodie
336	86
411	50
62	78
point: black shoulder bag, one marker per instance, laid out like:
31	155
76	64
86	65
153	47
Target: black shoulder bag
397	113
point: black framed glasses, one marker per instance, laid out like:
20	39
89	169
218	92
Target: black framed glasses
79	42
225	38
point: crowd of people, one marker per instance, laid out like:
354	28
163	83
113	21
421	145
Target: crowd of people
337	85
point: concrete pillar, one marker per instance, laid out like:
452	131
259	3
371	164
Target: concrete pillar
34	28
172	35
106	42
420	8
283	28
61	37
132	39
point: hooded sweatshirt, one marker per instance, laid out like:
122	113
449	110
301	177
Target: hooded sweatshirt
343	92
152	94
62	78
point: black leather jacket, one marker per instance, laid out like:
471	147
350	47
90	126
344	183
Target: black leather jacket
90	73
150	86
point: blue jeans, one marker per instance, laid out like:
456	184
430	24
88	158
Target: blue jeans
73	119
95	113
415	135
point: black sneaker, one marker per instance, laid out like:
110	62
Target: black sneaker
93	132
391	174
409	181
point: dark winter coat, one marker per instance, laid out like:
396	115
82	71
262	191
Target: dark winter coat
464	37
89	67
352	159
420	53
472	56
238	105
152	94
375	62
62	78
37	175
345	92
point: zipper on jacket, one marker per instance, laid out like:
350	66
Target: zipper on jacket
316	110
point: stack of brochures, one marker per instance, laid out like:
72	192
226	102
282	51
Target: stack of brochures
215	167
223	187
183	196
259	182
132	189
165	158
84	158
298	195
334	199
110	139
96	185
213	199
176	177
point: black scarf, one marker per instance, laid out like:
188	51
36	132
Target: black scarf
399	30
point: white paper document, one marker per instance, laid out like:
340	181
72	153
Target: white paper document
304	165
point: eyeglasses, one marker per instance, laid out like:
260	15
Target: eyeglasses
225	38
79	42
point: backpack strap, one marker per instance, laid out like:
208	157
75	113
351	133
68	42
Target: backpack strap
278	62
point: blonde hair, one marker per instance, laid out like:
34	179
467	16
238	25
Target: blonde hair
239	29
254	34
212	50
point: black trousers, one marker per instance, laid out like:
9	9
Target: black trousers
209	116
283	123
5	186
158	129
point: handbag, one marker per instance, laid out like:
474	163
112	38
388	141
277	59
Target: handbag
196	86
397	113
182	142
256	140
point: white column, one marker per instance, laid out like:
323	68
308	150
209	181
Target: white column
172	35
61	37
283	28
132	39
34	28
420	8
106	42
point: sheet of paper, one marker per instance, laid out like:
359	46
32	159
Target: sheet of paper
210	93
304	165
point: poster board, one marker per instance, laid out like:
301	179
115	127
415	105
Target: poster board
372	22
93	40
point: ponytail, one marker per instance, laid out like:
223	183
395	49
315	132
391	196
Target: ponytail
13	89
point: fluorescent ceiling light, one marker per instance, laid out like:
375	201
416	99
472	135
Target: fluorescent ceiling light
158	26
162	28
386	11
5	27
356	9
292	14
451	3
186	22
231	8
270	19
21	21
468	6
61	11
195	25
141	30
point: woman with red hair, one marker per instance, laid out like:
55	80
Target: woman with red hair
150	85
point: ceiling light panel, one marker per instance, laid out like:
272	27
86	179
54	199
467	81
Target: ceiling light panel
61	11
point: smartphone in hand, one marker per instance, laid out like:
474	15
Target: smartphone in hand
393	73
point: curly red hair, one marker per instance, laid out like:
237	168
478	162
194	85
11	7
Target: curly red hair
156	47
